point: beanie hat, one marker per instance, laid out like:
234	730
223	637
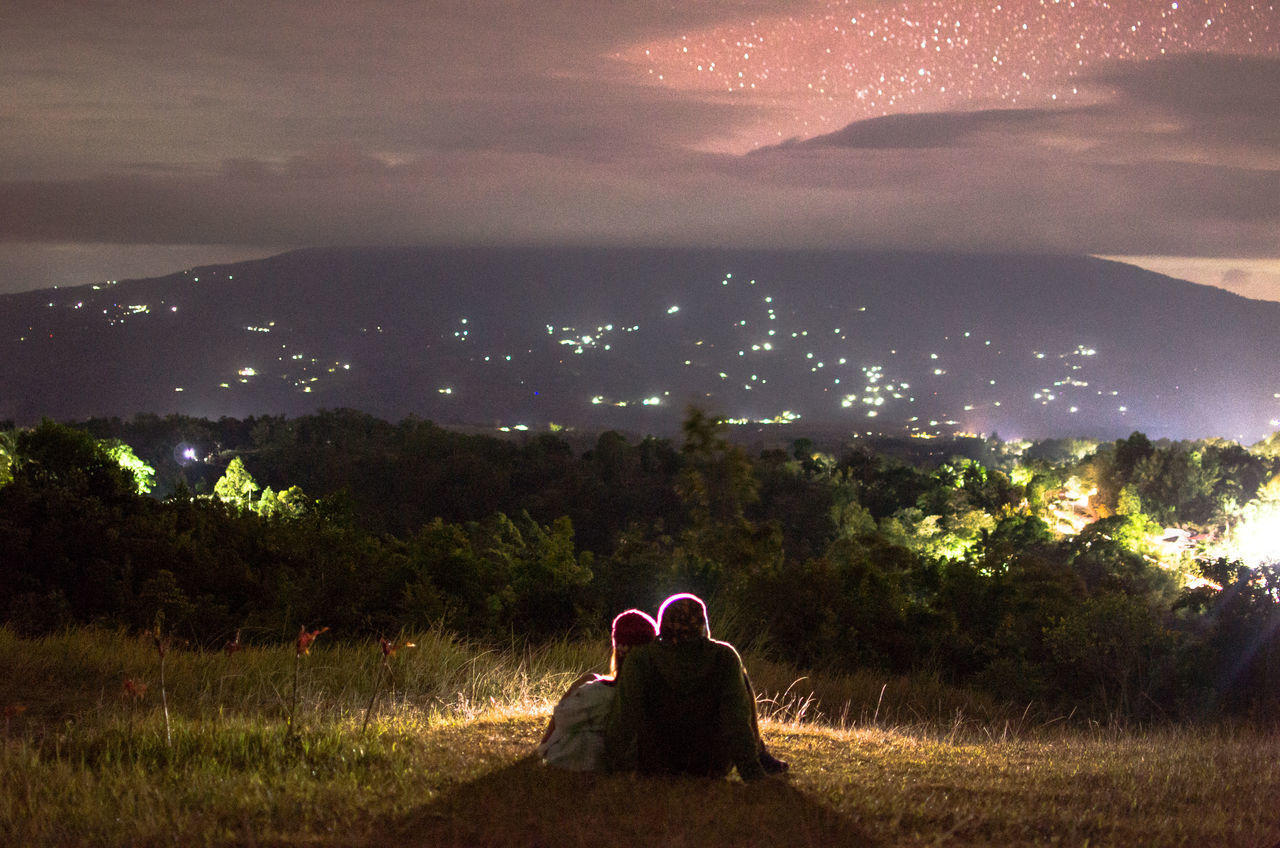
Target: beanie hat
683	617
634	627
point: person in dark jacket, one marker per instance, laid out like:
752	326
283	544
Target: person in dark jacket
682	704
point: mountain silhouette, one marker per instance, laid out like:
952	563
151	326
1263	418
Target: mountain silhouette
1026	346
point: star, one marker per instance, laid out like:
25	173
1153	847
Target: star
815	72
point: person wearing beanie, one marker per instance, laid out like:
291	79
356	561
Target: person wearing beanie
574	738
682	704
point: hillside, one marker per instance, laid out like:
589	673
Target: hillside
446	761
902	344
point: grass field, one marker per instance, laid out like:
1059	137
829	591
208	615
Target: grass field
445	759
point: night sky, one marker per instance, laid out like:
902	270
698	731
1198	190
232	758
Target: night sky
138	138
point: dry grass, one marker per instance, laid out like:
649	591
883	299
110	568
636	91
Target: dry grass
446	761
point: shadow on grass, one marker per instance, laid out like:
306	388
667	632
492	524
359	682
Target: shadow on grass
526	804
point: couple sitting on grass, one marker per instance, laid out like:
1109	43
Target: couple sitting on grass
676	702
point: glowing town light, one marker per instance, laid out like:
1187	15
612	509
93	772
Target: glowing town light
1255	540
652	401
247	372
672	310
447	390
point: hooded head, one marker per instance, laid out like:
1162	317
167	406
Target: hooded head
683	617
630	628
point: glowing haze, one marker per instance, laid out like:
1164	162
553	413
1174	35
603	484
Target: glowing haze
144	137
842	61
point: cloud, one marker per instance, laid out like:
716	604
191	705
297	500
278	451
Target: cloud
274	123
943	129
1201	85
1139	172
107	86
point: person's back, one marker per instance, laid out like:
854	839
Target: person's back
574	739
682	706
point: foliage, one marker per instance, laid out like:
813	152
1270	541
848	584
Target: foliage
955	565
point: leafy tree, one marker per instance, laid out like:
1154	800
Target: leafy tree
236	486
720	544
144	476
1129	501
290	503
1235	619
1117	555
8	455
55	454
1114	644
716	481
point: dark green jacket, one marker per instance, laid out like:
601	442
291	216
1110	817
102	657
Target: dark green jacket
683	709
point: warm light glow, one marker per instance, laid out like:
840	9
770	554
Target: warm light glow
1255	540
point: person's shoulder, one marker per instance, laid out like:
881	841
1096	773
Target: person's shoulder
724	648
586	679
590	676
595	690
725	653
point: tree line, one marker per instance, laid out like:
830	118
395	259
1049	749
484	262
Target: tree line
981	563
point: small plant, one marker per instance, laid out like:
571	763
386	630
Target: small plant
302	648
163	643
134	692
389	649
11	711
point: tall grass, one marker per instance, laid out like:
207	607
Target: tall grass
445	758
68	676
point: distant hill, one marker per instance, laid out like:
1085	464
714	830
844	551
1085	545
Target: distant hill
1024	346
